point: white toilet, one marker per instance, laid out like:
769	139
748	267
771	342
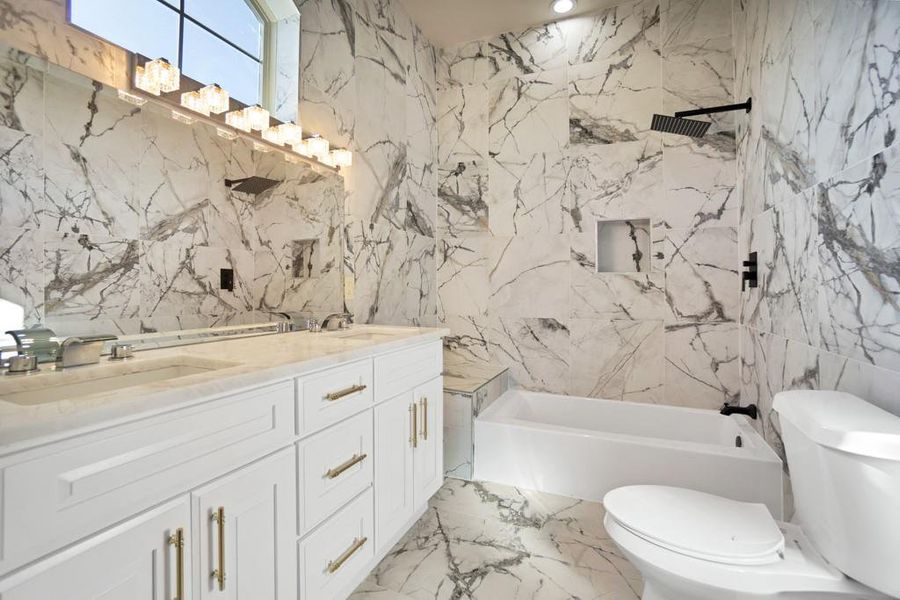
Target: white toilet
844	541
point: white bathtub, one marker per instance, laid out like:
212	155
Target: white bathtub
584	447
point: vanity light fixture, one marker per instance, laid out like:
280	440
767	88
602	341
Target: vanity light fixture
302	148
342	158
216	99
258	117
274	135
131	98
195	102
157	76
562	7
318	146
238	119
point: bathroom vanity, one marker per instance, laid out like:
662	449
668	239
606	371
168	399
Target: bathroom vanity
275	467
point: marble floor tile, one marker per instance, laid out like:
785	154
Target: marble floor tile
483	541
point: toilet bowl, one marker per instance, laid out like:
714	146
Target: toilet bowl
843	542
700	557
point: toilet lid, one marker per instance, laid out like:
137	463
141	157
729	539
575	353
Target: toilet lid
697	524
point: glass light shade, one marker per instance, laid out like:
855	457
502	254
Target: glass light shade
258	117
318	147
238	119
195	102
274	135
166	75
301	148
216	99
291	133
143	80
328	159
131	98
183	118
342	158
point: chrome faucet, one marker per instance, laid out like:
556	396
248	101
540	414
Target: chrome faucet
336	321
295	321
76	351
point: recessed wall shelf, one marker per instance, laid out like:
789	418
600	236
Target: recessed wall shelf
623	246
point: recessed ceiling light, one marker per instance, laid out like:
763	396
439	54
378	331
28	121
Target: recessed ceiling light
561	7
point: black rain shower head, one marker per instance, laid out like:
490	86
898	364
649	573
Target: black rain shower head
251	185
681	126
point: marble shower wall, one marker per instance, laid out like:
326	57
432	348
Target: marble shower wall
115	218
819	165
368	83
543	133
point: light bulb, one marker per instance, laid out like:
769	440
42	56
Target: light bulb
561	7
318	147
342	158
238	119
216	99
195	102
258	117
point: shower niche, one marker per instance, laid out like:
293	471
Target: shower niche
623	246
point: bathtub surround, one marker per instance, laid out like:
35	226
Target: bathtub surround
545	132
819	181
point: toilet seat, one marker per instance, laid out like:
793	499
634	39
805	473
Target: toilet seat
697	524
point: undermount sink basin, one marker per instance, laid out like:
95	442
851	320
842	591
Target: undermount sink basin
52	386
365	336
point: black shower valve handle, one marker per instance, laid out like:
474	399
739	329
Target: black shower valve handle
750	275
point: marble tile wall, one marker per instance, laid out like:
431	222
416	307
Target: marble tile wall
368	82
819	188
115	218
544	132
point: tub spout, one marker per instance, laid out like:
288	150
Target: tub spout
750	410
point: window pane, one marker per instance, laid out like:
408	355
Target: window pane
143	26
234	20
210	60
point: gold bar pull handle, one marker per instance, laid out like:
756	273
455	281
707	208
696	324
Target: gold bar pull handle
353	389
334	565
218	517
413	436
353	461
177	540
425	418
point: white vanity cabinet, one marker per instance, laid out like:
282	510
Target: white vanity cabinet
291	489
243	527
145	558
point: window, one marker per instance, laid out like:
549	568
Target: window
212	41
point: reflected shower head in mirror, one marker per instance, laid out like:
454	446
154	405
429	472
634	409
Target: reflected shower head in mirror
251	185
680	125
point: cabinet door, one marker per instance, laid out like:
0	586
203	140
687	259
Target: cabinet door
245	526
393	467
429	453
137	560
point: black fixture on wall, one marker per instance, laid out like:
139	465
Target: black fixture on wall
251	185
750	275
690	127
226	279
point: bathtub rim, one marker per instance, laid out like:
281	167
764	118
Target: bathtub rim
760	451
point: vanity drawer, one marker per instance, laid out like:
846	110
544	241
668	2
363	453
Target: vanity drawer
57	494
335	466
333	395
335	558
401	371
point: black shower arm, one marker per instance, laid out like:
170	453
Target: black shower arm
716	109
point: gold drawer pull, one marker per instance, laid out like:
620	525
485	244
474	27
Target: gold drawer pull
344	393
177	540
336	471
413	436
425	418
219	574
337	563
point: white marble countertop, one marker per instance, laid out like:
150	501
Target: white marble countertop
467	377
257	361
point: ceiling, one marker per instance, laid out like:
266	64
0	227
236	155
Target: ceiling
450	22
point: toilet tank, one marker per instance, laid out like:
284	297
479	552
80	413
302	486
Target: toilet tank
844	458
